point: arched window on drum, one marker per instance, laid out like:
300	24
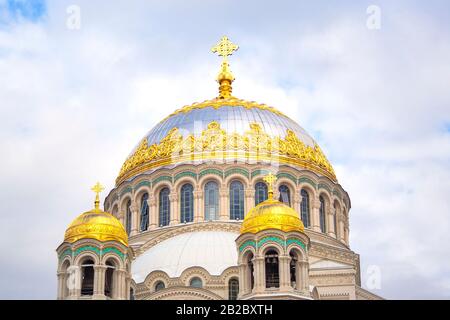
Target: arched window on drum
236	200
322	218
211	201
128	217
187	203
164	207
304	208
285	195
260	193
233	289
144	212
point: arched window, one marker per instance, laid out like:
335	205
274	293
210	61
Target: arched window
144	212
187	203
128	217
304	208
159	286
293	268
211	201
272	272
233	289
87	278
132	294
285	195
236	200
196	282
164	207
322	214
109	279
260	193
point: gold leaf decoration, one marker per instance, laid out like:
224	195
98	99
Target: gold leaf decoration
216	144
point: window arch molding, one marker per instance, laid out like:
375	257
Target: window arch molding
158	285
185	180
86	255
240	177
110	256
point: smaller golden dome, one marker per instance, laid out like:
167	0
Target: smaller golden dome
96	224
271	214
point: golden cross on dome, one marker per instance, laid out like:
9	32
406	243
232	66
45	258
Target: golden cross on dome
97	189
225	48
269	180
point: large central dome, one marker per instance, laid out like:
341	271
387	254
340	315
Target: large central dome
225	129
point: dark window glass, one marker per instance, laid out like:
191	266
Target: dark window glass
187	203
236	200
144	212
211	201
304	208
260	193
285	195
164	207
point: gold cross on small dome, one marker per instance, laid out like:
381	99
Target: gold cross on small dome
97	189
225	48
269	180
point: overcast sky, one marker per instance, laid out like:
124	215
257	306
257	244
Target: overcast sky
74	102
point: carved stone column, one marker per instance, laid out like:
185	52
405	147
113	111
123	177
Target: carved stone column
134	219
244	281
315	217
224	211
120	285
341	228
296	201
198	206
259	274
153	216
285	272
61	285
303	280
346	233
99	282
73	281
174	208
330	222
249	202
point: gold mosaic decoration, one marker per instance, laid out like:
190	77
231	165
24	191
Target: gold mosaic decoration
216	144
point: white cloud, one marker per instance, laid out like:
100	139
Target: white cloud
74	103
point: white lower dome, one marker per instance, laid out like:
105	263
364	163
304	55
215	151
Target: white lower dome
214	251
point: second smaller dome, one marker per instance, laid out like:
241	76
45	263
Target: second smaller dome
272	214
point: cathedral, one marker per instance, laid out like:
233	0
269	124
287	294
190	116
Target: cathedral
225	199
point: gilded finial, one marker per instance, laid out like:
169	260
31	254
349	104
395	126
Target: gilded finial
224	49
269	180
97	189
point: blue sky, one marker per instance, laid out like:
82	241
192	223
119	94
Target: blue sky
75	102
32	10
